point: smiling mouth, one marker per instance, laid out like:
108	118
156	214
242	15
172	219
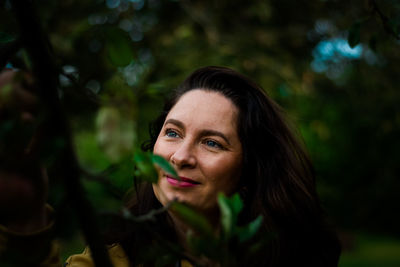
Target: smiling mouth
183	182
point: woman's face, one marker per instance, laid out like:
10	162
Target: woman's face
199	138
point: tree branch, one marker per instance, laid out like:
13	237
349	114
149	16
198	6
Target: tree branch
83	91
55	126
103	179
384	20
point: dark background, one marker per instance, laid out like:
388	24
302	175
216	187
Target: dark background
332	64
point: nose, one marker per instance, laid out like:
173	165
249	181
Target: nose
184	156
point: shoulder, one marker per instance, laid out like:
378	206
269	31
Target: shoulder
117	256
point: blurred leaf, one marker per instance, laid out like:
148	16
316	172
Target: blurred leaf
25	58
226	215
247	232
354	35
230	209
236	203
6	38
203	246
165	259
119	48
89	153
194	219
146	169
115	134
164	164
121	174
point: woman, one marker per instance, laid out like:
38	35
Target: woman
222	133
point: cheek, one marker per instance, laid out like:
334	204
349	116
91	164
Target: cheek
160	148
225	173
156	190
160	189
156	145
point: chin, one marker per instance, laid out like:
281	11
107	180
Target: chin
164	196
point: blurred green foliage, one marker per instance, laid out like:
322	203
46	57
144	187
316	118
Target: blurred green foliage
120	58
228	246
372	250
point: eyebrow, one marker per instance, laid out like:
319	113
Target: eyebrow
205	132
176	122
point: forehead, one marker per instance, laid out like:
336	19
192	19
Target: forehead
205	108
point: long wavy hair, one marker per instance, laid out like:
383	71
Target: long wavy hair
277	180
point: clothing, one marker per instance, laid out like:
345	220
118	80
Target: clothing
117	257
38	249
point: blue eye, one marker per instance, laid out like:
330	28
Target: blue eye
212	143
171	133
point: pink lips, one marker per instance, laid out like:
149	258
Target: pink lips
184	182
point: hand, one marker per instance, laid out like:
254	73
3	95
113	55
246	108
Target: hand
23	182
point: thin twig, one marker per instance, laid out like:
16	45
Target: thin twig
114	191
148	217
83	91
143	221
384	19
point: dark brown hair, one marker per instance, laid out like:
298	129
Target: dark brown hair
277	180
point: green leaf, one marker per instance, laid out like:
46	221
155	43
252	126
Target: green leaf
226	214
164	164
230	209
121	174
195	220
354	35
6	38
115	133
201	245
247	232
236	204
146	169
119	48
26	59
